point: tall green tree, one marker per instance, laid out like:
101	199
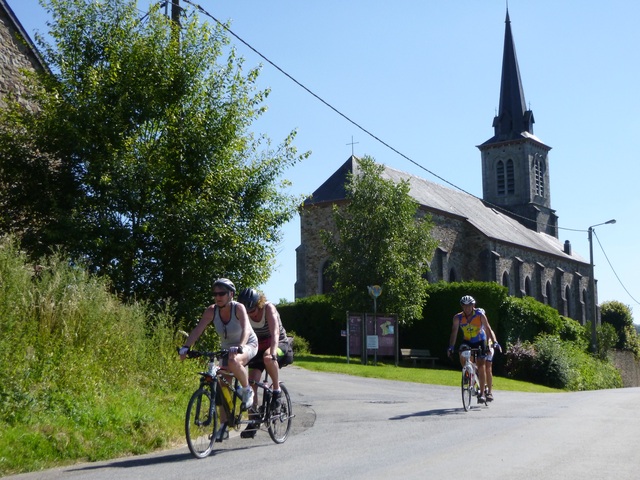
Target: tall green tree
619	315
381	238
139	160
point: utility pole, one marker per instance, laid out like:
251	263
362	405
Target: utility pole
175	12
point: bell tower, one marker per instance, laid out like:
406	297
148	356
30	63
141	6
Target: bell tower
515	163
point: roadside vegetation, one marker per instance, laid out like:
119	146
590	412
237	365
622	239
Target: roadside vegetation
86	377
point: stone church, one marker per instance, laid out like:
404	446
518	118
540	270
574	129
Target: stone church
510	236
17	53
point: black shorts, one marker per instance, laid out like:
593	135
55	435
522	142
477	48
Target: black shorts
257	362
481	346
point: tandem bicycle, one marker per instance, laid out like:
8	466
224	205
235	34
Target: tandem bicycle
219	397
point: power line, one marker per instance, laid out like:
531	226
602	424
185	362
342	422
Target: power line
353	122
356	124
613	269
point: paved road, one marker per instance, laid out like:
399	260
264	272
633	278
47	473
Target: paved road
359	428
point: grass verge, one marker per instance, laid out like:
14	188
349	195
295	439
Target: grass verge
434	376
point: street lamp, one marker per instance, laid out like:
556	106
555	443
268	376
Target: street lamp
592	281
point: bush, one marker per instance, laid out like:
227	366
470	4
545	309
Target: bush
524	318
519	361
551	361
300	345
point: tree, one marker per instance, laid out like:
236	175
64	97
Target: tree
147	171
619	315
380	239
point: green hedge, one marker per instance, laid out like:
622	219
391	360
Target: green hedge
311	318
434	330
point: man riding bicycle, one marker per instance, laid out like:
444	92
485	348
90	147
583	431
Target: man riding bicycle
475	332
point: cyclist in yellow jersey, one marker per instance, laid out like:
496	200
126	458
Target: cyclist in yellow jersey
476	332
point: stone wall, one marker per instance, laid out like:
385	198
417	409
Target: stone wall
628	366
16	54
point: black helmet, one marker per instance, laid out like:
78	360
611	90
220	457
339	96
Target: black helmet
467	300
249	298
226	283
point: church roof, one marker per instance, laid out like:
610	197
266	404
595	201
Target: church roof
442	200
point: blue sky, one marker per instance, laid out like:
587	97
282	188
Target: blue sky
424	77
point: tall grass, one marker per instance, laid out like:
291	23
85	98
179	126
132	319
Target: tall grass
82	376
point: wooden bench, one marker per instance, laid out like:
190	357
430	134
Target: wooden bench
416	354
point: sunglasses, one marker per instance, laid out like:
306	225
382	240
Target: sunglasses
252	310
219	294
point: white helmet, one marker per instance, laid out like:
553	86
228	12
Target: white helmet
467	300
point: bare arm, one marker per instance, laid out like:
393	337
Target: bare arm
272	321
243	318
206	319
454	330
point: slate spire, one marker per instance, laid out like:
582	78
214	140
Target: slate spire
513	118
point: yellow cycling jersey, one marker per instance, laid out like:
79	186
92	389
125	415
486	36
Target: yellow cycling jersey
472	329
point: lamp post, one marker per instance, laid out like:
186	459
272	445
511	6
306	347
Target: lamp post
592	282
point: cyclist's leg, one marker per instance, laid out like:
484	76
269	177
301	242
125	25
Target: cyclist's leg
489	374
273	369
482	377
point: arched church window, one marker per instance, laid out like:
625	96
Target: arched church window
500	177
505	280
567	297
548	291
511	179
452	275
538	171
527	286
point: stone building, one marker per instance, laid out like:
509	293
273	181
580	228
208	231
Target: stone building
17	53
510	236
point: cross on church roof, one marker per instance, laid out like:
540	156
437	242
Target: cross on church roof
352	144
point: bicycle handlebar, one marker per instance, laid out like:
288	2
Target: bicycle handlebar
212	355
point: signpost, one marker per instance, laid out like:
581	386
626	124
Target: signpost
374	291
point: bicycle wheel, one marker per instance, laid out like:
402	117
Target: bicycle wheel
466	388
201	423
279	422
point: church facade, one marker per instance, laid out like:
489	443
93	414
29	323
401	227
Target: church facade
510	236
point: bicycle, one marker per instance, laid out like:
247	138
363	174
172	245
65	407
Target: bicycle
470	386
219	392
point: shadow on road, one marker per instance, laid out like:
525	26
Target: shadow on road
135	462
439	412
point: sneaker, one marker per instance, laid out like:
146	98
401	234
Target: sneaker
276	399
489	397
221	433
481	399
250	431
247	397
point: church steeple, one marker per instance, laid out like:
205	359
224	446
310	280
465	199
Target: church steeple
513	117
515	163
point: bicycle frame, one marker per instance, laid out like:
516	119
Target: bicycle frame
470	386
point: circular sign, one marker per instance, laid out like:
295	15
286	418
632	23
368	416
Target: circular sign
375	290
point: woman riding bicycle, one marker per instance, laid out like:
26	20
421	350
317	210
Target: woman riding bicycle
475	330
231	321
272	343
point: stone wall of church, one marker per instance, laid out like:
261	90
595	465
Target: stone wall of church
312	255
15	55
463	254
